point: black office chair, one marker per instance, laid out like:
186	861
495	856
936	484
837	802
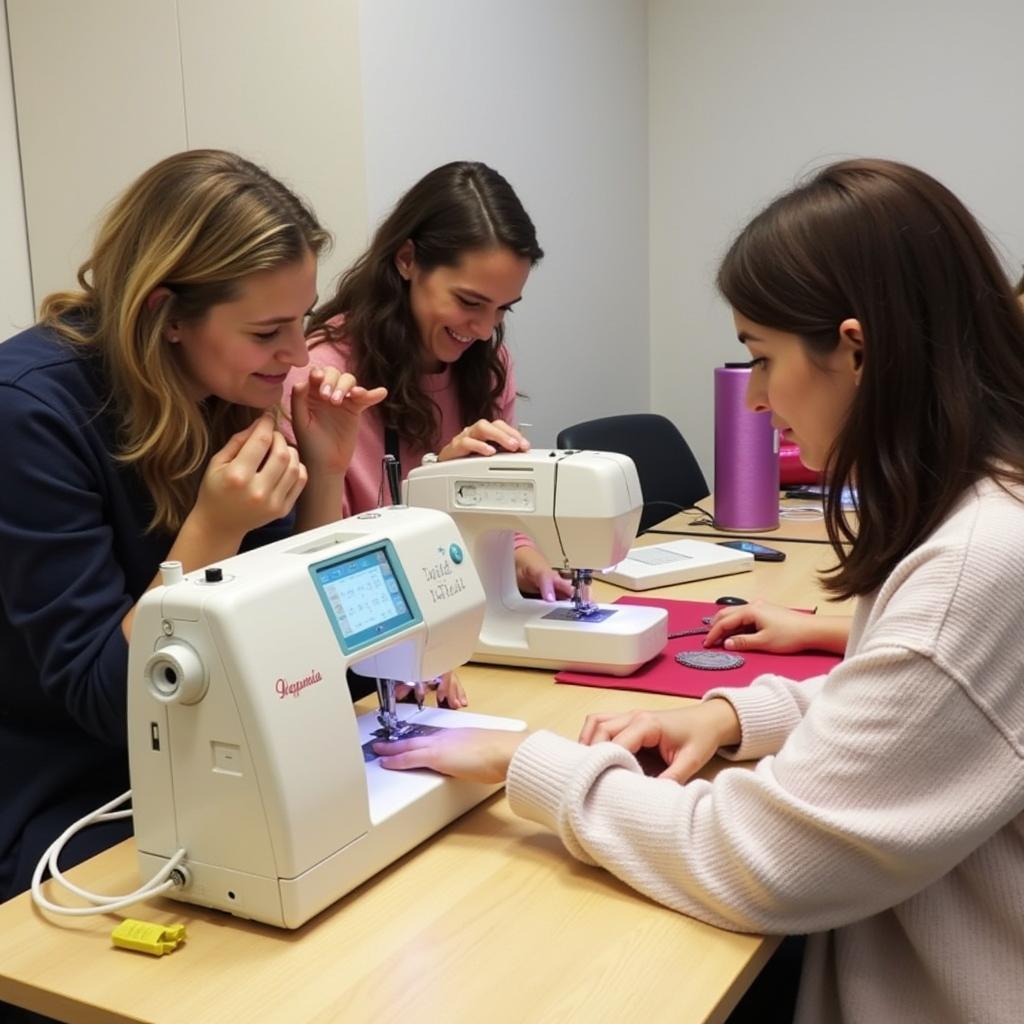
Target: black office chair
670	477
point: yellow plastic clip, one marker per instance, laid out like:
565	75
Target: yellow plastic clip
155	939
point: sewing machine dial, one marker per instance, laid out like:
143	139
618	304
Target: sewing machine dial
498	495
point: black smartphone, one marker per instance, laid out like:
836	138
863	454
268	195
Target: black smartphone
759	551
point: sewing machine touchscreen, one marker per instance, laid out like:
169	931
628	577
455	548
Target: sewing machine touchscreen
364	598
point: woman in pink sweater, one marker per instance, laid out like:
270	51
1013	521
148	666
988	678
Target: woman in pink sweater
885	818
422	312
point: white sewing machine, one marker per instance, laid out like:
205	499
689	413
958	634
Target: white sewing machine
244	746
581	509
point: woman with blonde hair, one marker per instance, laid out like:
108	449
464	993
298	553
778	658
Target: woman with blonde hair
138	426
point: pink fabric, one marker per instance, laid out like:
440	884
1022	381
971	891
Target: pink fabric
362	482
663	674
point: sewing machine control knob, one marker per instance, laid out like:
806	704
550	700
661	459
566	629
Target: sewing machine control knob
175	673
214	575
468	494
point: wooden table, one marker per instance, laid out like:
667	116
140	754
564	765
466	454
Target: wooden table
804	530
491	920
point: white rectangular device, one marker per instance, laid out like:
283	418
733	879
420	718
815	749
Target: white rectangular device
675	561
244	746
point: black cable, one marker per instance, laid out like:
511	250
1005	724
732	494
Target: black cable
683	508
757	538
708	521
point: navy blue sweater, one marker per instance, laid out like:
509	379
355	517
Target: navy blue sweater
75	555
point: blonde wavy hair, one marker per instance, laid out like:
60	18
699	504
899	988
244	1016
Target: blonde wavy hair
196	223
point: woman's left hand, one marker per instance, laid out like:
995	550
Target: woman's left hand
448	690
451	691
326	410
485	437
535	576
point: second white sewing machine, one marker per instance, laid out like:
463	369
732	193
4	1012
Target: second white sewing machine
581	509
244	747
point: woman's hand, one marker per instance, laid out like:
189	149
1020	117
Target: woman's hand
686	738
535	576
254	479
325	413
449	691
767	627
485	437
478	755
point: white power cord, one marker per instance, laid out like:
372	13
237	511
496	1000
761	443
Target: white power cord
159	883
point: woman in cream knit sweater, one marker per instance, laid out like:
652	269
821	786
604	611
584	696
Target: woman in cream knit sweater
886	814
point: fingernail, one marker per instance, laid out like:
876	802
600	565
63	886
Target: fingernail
325	390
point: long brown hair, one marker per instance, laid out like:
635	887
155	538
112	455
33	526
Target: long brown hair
453	210
195	223
941	398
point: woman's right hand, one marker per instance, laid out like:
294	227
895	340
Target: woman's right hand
253	480
686	738
760	626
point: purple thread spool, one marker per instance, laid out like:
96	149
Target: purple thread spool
746	457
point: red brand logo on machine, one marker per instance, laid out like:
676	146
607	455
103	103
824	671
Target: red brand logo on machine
293	689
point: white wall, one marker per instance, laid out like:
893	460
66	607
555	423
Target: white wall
552	95
16	305
98	90
279	82
105	88
746	95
